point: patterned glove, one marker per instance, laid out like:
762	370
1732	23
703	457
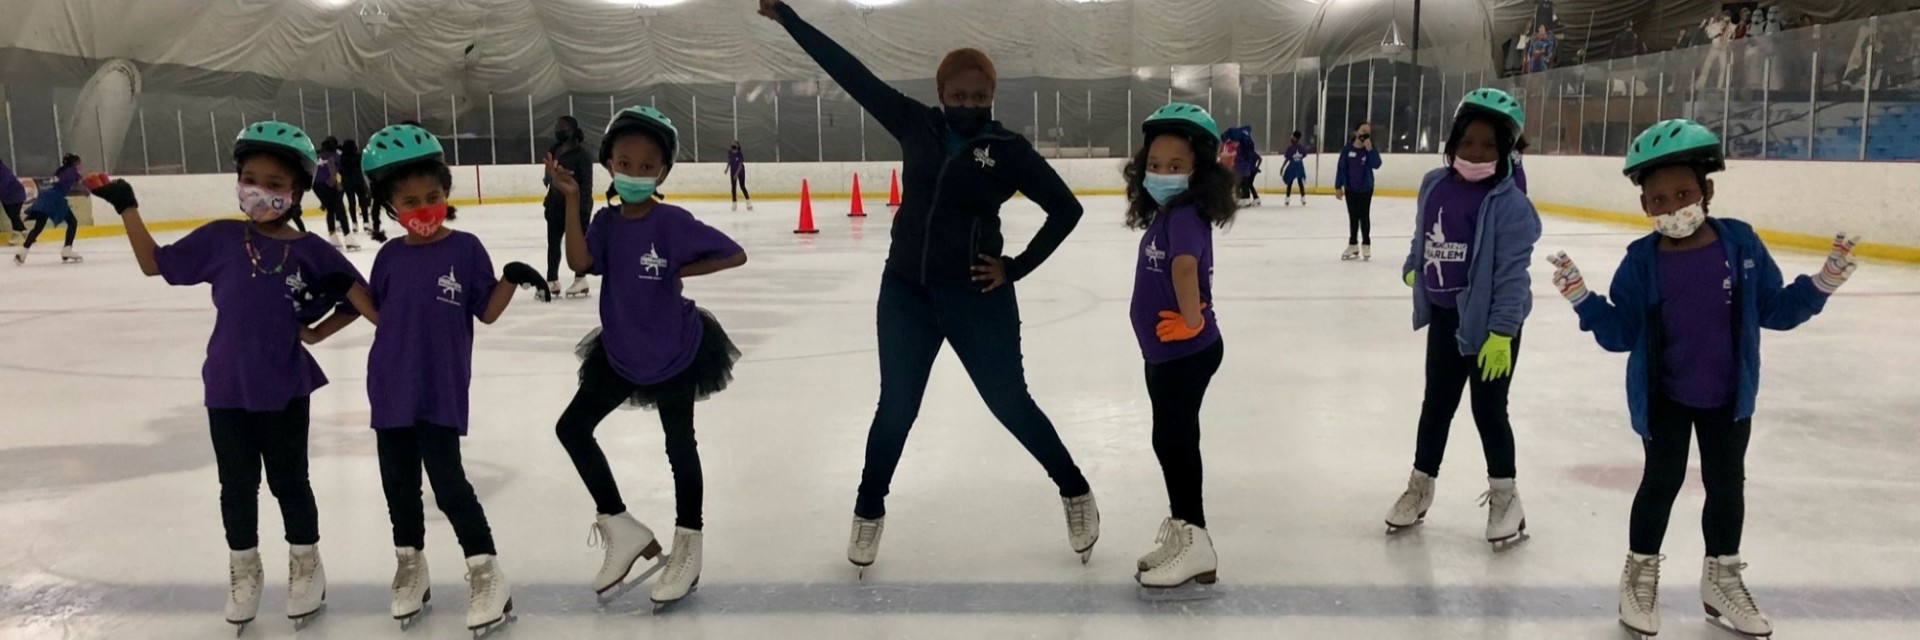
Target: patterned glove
1840	264
525	276
1567	278
117	192
1496	357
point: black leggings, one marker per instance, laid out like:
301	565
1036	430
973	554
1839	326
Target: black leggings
242	442
403	452
738	185
336	209
13	215
1359	216
1301	180
1448	373
984	328
601	391
1723	453
1176	389
40	224
1245	189
359	205
557	236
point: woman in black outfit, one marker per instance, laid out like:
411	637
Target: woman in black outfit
946	277
353	184
574	158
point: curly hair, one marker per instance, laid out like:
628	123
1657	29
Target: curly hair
1210	190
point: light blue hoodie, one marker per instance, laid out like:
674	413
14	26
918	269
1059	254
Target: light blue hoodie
1499	293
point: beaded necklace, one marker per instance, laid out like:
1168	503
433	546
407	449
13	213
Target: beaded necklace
253	255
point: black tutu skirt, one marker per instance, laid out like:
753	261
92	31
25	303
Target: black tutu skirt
709	373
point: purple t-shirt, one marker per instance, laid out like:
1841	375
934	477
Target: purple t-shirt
1179	232
329	162
736	162
421	363
1449	221
11	191
649	330
255	360
1696	312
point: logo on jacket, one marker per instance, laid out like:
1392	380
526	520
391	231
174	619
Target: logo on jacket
982	156
652	263
450	288
1154	255
1439	250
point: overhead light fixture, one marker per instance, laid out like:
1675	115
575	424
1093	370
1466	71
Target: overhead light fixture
333	3
869	4
650	3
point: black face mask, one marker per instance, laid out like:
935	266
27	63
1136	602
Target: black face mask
968	121
562	137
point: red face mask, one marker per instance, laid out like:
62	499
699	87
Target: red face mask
424	221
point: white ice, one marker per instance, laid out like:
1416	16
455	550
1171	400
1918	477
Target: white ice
109	500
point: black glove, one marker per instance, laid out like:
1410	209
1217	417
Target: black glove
330	289
327	294
119	194
524	275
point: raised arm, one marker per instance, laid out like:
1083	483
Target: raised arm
892	109
120	194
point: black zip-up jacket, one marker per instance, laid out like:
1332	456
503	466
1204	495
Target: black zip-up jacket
950	205
579	161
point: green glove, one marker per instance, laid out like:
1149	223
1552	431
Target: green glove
1409	278
1496	357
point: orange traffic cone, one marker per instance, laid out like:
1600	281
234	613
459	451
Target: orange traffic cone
859	209
806	210
893	192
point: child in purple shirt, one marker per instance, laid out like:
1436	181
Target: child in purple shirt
1474	233
1687	305
1177	195
51	207
426	292
1294	169
654	348
737	176
270	282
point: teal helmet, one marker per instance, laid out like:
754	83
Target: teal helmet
1671	142
280	140
1498	104
1189	120
641	118
398	145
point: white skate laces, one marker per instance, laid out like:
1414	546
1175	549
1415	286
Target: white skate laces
866	533
1165	544
1643	578
1732	590
408	577
1083	524
481	585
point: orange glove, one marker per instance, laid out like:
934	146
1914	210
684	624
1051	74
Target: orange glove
1173	328
95	180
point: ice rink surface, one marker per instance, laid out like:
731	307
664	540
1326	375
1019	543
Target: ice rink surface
108	496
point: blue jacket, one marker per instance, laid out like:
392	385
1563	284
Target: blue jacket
1631	322
1499	292
1354	171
